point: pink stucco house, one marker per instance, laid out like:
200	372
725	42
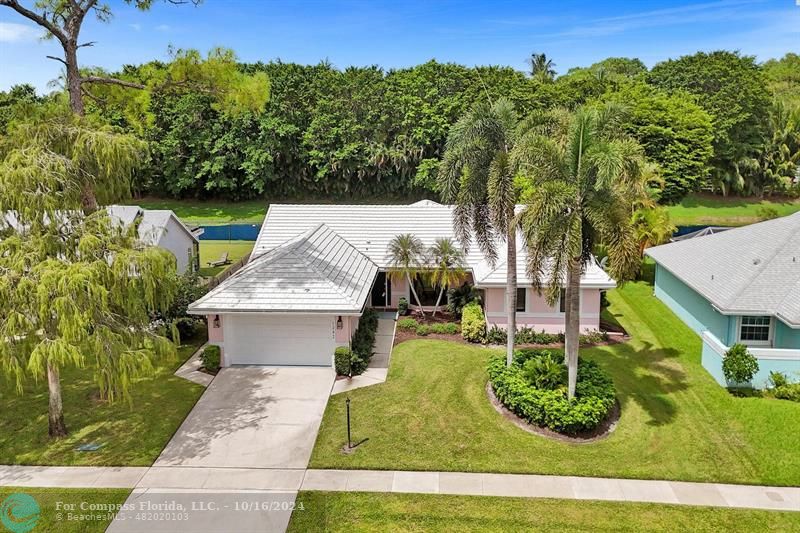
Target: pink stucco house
314	268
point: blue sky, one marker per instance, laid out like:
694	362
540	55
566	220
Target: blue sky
402	33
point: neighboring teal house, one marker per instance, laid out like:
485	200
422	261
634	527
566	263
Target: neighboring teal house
742	285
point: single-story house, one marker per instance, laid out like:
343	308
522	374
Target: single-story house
314	268
739	286
156	227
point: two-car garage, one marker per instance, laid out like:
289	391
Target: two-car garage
267	339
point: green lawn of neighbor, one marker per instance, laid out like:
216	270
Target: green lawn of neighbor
54	519
354	511
200	212
677	423
699	210
213	250
132	434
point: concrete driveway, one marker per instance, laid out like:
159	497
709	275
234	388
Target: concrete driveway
253	417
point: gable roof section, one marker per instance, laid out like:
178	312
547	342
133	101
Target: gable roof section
750	270
316	272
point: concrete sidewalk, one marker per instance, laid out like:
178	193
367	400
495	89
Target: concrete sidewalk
378	367
563	487
460	483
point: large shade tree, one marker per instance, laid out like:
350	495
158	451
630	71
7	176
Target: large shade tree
477	175
587	180
76	289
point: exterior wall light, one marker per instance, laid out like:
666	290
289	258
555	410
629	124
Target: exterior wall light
216	321
339	323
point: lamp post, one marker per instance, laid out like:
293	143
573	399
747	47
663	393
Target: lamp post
349	441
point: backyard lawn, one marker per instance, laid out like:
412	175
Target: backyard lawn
131	434
700	210
677	423
211	212
353	511
213	250
51	520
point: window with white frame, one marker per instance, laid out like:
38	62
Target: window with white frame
755	329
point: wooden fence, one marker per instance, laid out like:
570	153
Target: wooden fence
225	274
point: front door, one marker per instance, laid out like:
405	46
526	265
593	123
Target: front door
381	291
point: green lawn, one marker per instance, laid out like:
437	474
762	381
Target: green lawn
132	434
354	511
54	518
201	212
725	211
213	250
677	423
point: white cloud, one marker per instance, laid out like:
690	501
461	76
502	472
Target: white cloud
14	33
163	27
136	27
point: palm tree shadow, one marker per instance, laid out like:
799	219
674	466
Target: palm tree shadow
646	375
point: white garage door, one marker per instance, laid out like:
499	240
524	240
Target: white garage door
279	340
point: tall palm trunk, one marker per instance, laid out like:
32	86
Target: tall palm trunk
55	414
573	322
414	292
511	287
438	299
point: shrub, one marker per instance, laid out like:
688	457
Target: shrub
778	379
788	391
363	340
407	323
767	213
546	371
594	396
341	360
593	336
402	306
739	365
210	357
461	297
473	323
348	363
497	335
423	330
444	328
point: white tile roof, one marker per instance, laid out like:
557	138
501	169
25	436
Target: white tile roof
370	228
750	270
152	224
316	272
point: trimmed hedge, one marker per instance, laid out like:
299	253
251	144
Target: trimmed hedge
527	335
363	341
595	395
210	357
473	323
347	362
407	323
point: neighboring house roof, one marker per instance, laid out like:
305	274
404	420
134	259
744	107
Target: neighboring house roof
704	232
153	223
370	229
316	272
752	270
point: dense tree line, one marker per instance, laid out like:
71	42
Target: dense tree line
709	121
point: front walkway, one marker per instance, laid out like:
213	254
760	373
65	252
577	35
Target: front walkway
378	367
275	484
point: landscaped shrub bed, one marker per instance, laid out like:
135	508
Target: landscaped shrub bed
354	360
526	335
514	387
473	323
441	328
210	358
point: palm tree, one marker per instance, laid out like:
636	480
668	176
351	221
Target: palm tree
477	176
407	258
652	227
448	266
542	68
588	177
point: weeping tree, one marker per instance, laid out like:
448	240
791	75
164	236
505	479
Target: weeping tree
407	259
78	290
588	177
447	266
477	175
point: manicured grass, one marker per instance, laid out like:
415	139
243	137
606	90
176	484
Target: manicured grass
53	519
213	250
710	210
677	423
354	511
201	212
132	434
